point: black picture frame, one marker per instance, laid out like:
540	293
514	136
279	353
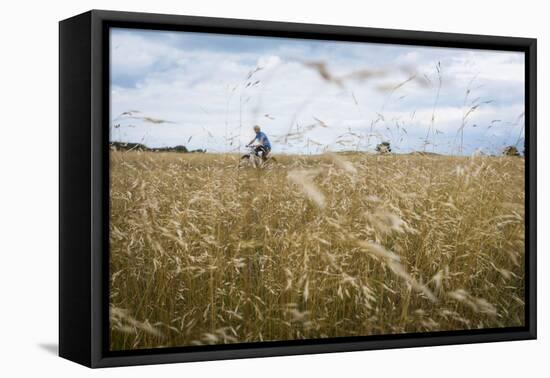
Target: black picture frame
84	187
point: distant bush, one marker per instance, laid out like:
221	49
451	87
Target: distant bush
510	151
122	146
383	148
173	149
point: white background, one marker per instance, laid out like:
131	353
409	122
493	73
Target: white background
29	186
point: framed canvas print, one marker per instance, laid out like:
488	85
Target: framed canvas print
235	188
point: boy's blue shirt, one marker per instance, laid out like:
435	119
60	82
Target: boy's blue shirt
262	138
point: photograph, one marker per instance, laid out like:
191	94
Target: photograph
269	189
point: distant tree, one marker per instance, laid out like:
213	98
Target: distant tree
510	151
383	148
181	149
122	146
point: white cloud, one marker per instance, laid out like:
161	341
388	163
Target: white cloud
203	89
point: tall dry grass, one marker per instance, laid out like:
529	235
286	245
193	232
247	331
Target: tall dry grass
319	246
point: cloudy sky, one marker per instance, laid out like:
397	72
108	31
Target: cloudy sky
207	91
